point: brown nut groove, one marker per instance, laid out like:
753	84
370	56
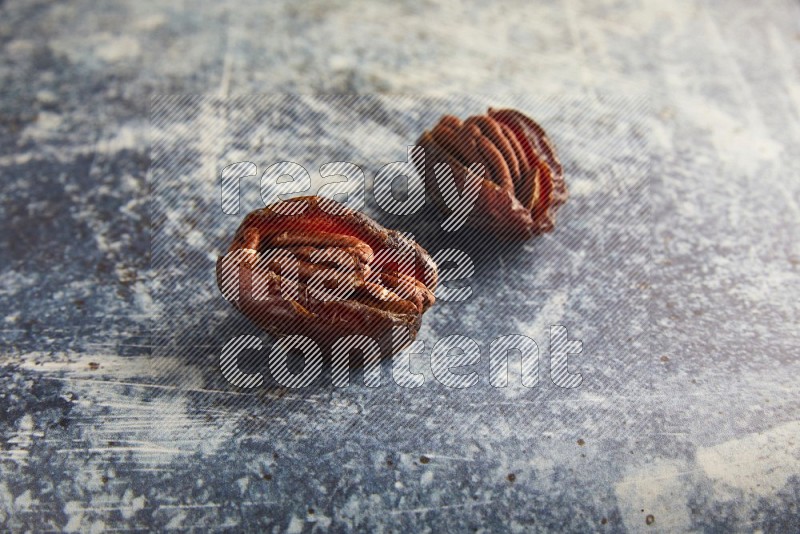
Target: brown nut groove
524	181
386	279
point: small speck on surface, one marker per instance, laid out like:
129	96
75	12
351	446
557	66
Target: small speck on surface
650	519
424	459
581	442
511	477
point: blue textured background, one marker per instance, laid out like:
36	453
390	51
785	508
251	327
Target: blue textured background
675	261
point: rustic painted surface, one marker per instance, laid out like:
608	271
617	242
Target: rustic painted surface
676	261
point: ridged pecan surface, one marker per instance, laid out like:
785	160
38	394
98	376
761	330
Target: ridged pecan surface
311	266
523	184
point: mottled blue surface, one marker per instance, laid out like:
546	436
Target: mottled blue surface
676	262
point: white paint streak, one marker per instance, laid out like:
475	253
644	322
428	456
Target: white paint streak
661	491
755	466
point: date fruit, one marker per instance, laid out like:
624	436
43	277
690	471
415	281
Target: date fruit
523	184
313	267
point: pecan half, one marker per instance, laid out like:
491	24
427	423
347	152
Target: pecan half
523	184
311	266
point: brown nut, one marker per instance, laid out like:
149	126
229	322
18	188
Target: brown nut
523	184
325	271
